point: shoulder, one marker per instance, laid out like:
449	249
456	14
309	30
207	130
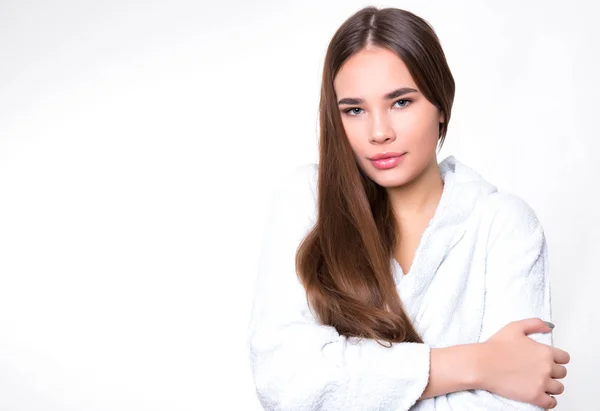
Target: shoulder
511	217
507	207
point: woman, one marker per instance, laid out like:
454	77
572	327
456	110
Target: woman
388	281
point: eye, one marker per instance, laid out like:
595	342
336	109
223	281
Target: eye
405	100
350	111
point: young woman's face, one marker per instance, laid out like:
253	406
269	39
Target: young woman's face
404	123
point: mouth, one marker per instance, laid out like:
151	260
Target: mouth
387	160
383	156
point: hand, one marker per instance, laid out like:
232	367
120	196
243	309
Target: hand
515	366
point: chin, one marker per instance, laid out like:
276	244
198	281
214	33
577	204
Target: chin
390	182
387	178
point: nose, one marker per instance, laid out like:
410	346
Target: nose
382	131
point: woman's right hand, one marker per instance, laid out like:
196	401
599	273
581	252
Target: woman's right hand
515	366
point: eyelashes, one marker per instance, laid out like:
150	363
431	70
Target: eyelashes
351	113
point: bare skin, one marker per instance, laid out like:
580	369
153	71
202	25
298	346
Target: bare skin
509	364
407	124
383	111
411	226
408	241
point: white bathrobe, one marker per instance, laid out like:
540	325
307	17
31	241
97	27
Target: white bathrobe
481	263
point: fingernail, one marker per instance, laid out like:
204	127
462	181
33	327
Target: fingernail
549	324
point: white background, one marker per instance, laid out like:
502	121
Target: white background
139	144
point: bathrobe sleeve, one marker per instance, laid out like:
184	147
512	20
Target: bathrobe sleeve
517	269
517	286
299	364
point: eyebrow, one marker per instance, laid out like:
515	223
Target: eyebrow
389	96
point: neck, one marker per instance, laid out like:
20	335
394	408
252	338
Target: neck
420	197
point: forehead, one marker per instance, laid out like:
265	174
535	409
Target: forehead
370	73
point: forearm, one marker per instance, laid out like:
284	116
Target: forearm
453	369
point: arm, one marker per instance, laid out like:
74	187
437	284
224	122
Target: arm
452	369
518	275
299	364
517	287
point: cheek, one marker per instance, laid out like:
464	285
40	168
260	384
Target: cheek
417	127
355	134
358	149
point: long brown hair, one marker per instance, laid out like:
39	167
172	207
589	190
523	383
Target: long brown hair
344	262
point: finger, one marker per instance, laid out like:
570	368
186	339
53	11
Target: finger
532	325
554	387
560	356
558	371
548	402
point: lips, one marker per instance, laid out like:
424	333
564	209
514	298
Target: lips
382	156
386	161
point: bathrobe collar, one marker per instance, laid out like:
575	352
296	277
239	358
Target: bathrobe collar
463	188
